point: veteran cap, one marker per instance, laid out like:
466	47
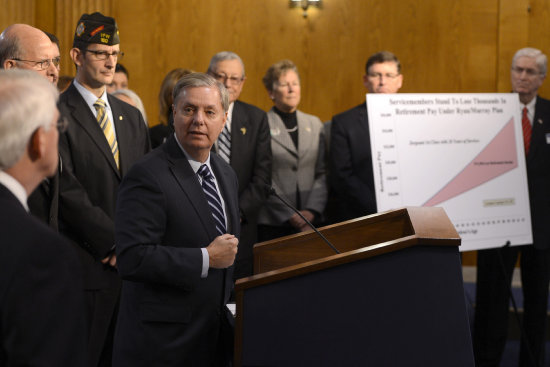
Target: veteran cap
96	28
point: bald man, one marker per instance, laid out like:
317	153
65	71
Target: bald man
26	47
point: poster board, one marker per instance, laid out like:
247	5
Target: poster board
463	152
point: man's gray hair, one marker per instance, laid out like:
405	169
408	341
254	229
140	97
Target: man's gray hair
223	56
195	80
540	58
27	102
9	47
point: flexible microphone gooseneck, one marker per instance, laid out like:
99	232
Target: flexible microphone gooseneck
272	191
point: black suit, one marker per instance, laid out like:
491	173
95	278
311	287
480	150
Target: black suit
41	296
169	315
493	285
88	187
251	160
44	201
351	175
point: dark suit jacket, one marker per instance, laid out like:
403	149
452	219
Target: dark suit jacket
169	315
44	201
251	160
40	292
90	179
538	174
351	175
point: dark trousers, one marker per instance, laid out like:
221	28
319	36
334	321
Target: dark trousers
494	276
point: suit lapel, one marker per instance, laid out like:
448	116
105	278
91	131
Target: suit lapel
82	115
305	130
223	178
239	128
124	145
189	183
279	135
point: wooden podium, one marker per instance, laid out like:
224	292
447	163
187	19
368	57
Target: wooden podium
393	297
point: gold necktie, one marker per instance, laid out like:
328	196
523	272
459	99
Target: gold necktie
108	128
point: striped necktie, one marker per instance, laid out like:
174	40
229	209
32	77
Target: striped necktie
213	198
224	144
527	129
108	128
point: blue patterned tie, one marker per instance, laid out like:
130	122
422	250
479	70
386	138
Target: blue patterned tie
213	198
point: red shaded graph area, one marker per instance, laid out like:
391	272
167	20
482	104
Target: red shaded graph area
498	157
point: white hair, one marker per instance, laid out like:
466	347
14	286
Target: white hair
27	102
540	59
134	97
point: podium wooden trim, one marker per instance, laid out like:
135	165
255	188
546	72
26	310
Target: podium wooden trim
358	239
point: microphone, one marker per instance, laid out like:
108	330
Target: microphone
272	191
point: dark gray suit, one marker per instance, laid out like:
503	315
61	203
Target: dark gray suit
169	315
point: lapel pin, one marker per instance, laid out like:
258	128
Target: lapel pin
540	121
120	118
243	130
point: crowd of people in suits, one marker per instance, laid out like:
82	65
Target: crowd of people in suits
154	225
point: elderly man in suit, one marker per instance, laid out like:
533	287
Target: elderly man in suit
41	296
26	47
105	137
350	162
177	227
245	144
495	266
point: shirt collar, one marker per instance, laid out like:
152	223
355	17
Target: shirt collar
195	165
229	116
15	188
91	98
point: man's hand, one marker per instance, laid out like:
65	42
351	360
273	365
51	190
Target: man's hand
222	251
110	260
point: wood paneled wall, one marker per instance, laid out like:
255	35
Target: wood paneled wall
444	46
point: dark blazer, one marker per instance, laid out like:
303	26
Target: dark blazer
88	186
251	160
538	174
40	292
351	175
90	179
44	201
169	315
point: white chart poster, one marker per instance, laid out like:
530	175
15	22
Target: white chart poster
462	152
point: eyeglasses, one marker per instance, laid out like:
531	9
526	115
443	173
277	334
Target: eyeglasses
529	72
43	64
62	124
104	55
223	78
380	75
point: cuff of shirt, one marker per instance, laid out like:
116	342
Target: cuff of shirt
205	262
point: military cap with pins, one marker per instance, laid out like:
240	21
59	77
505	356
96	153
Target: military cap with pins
96	28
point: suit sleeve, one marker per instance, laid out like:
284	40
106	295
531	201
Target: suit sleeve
141	221
344	179
254	195
89	222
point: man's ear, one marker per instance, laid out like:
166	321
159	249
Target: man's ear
9	64
75	55
37	145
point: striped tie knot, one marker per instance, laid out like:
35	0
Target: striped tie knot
99	104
